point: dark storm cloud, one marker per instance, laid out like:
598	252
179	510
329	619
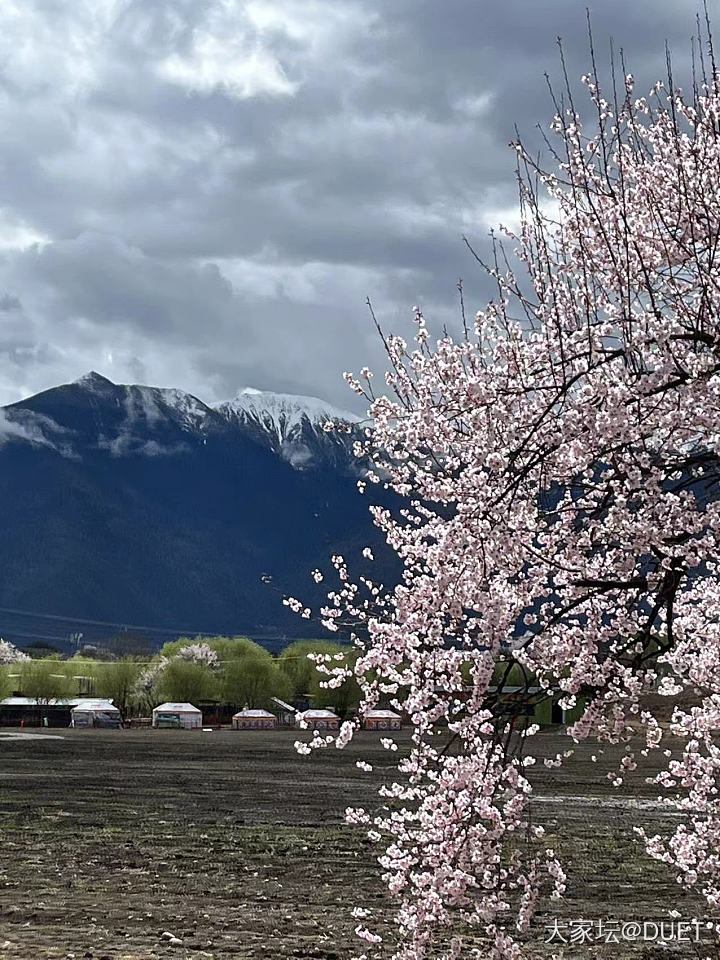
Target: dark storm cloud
201	194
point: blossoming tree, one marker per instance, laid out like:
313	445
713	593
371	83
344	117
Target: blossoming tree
559	464
149	682
9	653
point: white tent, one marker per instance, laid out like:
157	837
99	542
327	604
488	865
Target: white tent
95	713
177	714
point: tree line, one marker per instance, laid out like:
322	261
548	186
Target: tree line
232	670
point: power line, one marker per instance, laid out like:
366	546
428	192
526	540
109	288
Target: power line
110	623
34	636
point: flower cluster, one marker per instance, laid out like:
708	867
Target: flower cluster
147	681
200	653
9	653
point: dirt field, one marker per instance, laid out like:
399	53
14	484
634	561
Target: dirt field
235	845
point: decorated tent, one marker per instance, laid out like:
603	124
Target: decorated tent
95	713
316	719
253	720
382	720
180	715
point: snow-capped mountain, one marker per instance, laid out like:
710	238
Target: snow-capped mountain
132	419
283	414
295	427
136	504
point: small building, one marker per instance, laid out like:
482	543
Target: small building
178	716
382	720
19	711
215	713
316	719
96	713
254	720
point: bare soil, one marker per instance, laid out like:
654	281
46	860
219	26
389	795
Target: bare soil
236	846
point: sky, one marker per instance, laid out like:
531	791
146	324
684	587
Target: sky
203	193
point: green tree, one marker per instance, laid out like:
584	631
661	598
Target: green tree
42	680
511	674
300	671
227	648
235	648
305	678
116	680
7	683
80	673
252	680
184	681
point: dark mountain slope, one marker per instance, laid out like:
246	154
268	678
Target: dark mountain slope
136	505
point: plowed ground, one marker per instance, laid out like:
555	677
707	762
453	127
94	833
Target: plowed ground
236	846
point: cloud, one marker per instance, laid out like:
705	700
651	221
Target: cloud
10	429
126	445
34	428
17	235
140	409
215	62
226	52
202	195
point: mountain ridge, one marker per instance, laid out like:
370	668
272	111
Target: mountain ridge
137	504
293	426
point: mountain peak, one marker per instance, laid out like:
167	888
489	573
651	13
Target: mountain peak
93	379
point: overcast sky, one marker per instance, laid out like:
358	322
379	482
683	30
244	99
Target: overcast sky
202	193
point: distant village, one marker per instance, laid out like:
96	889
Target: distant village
232	682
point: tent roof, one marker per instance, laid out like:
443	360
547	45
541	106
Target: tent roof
176	708
316	714
254	713
32	702
91	705
382	715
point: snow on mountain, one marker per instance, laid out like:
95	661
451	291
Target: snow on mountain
283	414
294	427
133	419
93	381
147	410
149	404
154	404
